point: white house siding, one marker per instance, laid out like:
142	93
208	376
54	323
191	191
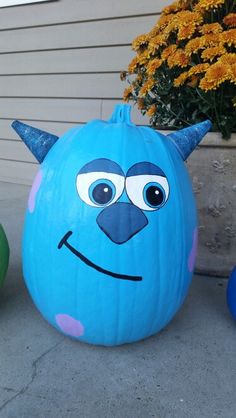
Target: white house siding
59	66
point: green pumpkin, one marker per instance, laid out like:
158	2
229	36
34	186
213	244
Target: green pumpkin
4	255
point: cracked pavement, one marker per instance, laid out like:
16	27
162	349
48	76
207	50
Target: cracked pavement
186	371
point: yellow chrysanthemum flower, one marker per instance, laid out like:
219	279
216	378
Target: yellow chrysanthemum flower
171	27
127	94
215	76
153	65
230	20
193	46
191	75
207	85
155	43
174	7
186	16
152	110
210	39
198	69
164	20
154	32
133	65
159	40
205	5
210	53
140	41
168	51
211	28
186	31
228	37
179	81
229	58
185	22
143	57
147	87
179	58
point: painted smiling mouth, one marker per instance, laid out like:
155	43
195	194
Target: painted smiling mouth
64	241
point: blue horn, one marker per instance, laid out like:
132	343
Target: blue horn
187	139
39	142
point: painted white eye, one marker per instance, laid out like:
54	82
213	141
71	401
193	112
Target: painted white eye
100	188
148	192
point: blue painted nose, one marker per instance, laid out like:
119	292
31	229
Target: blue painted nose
121	221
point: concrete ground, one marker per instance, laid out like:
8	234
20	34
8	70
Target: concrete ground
187	371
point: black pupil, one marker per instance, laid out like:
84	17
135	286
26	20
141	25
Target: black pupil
102	193
154	196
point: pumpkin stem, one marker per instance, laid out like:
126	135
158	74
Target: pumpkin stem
121	114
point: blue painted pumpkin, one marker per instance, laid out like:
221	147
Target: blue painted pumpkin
231	293
111	230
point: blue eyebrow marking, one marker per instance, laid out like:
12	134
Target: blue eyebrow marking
101	164
145	168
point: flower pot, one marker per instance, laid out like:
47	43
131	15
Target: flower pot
213	171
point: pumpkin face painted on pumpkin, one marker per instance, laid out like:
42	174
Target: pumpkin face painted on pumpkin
110	232
4	255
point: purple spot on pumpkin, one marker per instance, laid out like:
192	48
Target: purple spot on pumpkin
193	253
69	325
34	191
